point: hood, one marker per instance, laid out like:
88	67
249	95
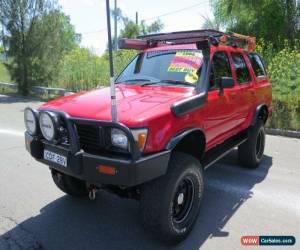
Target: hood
135	104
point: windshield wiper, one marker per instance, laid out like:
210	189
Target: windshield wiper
136	80
169	81
178	82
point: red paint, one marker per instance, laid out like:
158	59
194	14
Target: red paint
149	106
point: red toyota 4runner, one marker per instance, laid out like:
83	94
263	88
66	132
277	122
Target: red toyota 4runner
183	102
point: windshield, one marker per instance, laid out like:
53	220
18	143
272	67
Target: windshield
180	67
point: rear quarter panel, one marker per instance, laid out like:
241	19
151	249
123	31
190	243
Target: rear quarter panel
262	88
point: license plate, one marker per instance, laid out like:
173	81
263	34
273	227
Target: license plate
54	157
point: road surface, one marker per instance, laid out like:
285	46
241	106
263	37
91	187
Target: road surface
34	214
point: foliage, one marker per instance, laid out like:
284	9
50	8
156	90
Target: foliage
211	23
284	72
131	29
154	27
274	21
4	74
283	67
81	69
286	112
121	60
37	34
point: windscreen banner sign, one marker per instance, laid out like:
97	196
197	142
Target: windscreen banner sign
187	62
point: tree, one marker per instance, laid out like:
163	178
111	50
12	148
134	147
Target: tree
131	29
37	34
210	23
274	21
154	27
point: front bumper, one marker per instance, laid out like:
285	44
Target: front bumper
129	172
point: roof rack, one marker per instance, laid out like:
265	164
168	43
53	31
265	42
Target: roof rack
186	37
182	37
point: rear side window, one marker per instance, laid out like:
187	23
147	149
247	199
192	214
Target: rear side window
257	65
220	68
241	69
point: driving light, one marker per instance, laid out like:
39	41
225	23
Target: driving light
140	136
47	126
30	121
119	138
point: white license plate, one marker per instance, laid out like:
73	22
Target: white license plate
57	158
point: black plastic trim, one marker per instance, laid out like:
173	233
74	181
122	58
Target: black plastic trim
176	139
84	166
218	152
257	111
190	104
74	142
197	101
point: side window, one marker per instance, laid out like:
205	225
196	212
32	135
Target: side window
241	69
220	68
257	65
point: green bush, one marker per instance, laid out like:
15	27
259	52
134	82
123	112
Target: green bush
284	72
81	69
283	67
286	112
4	74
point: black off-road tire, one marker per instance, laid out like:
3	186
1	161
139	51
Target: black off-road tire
169	205
251	151
69	185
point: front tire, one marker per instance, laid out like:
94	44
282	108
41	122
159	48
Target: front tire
69	185
170	205
251	152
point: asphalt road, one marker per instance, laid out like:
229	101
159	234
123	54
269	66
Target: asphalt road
34	214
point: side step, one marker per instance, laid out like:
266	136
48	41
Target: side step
215	154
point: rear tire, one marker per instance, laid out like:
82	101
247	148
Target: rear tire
69	185
170	205
251	152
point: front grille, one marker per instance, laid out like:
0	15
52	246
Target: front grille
92	138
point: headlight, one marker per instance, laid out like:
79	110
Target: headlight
47	125
140	136
30	121
119	138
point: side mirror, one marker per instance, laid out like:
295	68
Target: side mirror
227	82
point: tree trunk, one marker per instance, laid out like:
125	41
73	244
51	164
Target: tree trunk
23	87
291	20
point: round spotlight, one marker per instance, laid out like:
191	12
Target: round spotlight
48	126
30	120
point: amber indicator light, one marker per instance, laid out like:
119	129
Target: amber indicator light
107	170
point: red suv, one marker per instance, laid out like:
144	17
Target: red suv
185	101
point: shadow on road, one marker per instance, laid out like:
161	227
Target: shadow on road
113	223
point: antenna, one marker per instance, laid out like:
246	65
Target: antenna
111	67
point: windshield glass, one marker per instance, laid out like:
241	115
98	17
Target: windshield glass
180	67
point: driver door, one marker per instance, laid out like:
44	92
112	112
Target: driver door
219	121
